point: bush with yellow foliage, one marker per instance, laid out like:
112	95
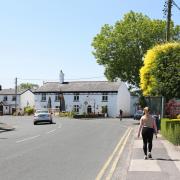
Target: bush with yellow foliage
160	74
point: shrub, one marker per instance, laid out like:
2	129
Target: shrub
172	108
67	114
160	73
170	129
63	114
29	110
178	116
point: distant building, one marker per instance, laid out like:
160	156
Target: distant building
84	97
8	99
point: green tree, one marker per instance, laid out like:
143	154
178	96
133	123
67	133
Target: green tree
120	48
160	74
24	86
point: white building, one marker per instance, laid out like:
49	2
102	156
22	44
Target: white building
84	96
8	100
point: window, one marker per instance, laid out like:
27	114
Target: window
43	97
76	96
57	97
105	97
5	98
76	108
13	98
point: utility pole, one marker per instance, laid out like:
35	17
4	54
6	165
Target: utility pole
15	95
168	24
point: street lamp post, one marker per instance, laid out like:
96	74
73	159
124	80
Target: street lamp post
15	95
94	105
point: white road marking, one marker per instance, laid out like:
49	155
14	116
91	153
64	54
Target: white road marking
26	139
104	168
59	126
114	165
51	131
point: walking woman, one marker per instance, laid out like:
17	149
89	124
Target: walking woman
147	128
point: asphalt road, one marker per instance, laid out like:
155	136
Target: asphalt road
70	149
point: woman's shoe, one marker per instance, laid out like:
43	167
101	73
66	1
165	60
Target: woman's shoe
149	155
145	157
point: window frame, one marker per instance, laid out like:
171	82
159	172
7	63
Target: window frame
43	97
5	98
76	108
13	98
104	97
76	97
57	97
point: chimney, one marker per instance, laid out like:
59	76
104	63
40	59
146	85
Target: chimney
0	87
61	77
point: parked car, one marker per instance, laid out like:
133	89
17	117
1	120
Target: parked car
42	116
138	114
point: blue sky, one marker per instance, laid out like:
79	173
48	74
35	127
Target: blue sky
38	38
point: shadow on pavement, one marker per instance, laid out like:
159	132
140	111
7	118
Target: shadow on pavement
5	130
165	159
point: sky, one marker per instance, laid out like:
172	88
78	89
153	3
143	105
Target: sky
38	38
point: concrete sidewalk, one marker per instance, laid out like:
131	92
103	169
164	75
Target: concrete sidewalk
165	164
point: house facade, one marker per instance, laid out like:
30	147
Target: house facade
84	97
8	100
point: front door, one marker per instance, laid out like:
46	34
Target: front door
89	109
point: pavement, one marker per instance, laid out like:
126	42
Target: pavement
5	127
164	165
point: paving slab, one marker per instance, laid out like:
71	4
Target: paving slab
165	164
143	165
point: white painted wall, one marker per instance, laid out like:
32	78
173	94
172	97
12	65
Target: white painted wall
9	99
10	103
92	99
27	99
6	109
123	100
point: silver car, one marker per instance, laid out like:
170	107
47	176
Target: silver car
42	116
138	114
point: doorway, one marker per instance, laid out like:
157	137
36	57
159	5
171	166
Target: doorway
1	109
89	109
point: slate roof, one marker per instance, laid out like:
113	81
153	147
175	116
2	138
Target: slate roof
11	91
80	86
4	103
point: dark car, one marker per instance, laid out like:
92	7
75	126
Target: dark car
138	114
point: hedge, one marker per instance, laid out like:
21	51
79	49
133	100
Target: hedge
170	129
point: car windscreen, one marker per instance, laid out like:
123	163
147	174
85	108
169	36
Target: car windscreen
42	112
139	112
